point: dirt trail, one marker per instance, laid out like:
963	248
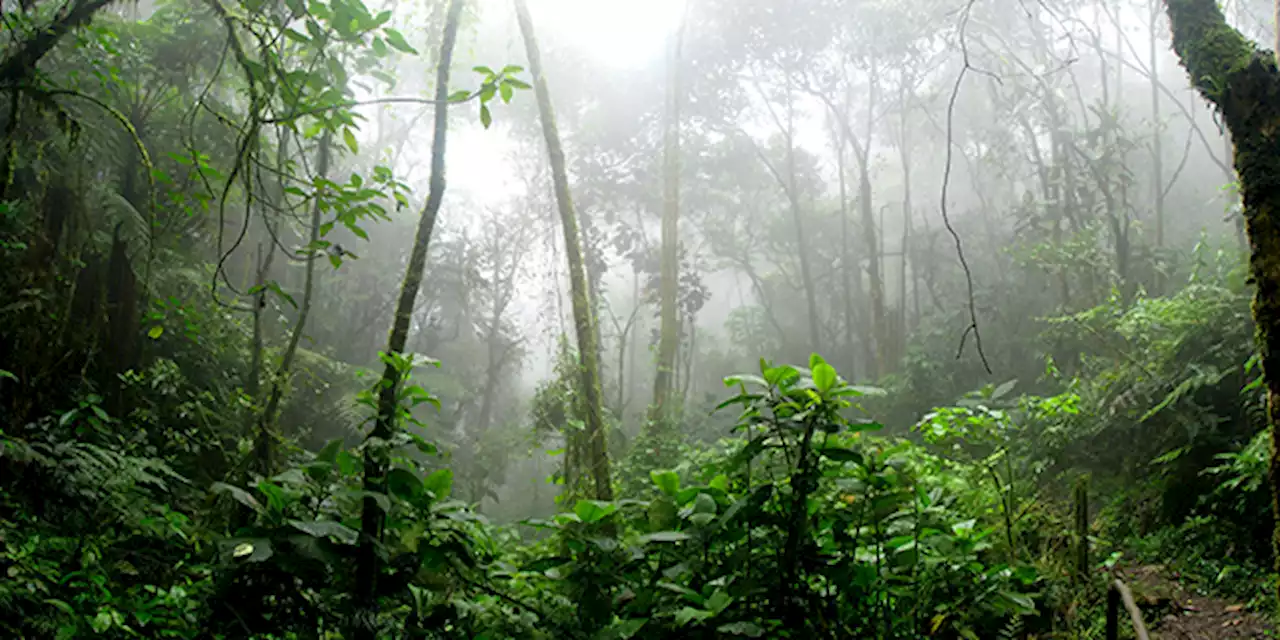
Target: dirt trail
1173	612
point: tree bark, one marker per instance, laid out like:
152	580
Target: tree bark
669	336
584	323
18	65
372	517
1243	84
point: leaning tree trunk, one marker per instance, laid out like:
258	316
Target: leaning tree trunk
1244	85
372	516
584	324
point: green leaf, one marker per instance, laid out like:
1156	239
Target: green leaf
663	536
623	629
594	510
486	118
326	528
720	482
250	549
60	606
840	454
824	376
396	40
439	483
155	332
404	484
704	503
748	629
379	47
666	481
240	495
9	375
506	91
349	137
519	84
460	96
484	70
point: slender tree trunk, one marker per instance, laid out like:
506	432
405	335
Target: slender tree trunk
901	343
669	336
584	324
267	419
847	270
1157	146
1232	73
372	517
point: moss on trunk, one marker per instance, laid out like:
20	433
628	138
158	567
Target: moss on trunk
1242	82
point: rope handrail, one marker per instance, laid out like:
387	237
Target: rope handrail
1118	594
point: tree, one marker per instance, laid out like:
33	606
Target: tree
1243	83
669	337
584	323
372	516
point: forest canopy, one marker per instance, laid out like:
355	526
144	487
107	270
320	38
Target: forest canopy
639	319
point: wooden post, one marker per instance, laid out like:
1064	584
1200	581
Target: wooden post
1113	614
1081	574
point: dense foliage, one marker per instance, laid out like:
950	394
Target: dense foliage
207	208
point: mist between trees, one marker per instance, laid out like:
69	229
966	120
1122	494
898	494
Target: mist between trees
623	319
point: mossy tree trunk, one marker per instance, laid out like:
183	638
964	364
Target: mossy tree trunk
584	323
1243	84
372	516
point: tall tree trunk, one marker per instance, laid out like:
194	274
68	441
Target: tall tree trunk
372	517
847	271
1241	82
584	323
802	242
669	336
1157	147
267	419
900	346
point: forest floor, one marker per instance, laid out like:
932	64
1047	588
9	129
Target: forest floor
1174	611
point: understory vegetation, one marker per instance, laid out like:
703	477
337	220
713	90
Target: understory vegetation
893	319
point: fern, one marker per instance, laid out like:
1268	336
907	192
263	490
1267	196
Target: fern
1013	629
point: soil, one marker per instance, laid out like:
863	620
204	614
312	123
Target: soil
1172	611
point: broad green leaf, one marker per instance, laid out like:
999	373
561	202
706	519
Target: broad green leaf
326	528
666	481
439	483
349	137
155	332
594	510
396	40
840	454
240	495
506	91
824	377
663	536
486	118
404	484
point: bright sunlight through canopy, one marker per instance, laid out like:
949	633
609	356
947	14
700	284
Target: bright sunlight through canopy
620	33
